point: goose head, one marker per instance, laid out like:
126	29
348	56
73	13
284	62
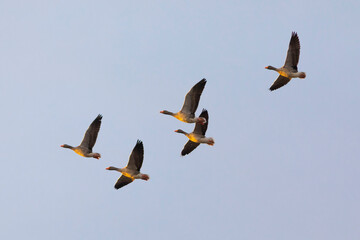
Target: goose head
271	68
181	131
113	168
167	112
66	146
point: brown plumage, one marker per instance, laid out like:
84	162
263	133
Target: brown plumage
192	98
289	70
132	170
89	140
197	136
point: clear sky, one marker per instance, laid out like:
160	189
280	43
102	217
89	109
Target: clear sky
285	164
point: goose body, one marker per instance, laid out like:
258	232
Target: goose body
89	140
192	98
197	136
289	70
132	170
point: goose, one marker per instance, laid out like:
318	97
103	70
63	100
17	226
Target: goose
85	148
187	112
197	136
132	170
289	70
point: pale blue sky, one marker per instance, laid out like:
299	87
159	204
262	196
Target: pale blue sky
285	164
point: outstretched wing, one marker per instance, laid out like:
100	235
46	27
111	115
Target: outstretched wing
122	181
199	128
92	133
192	98
189	147
293	53
136	157
279	82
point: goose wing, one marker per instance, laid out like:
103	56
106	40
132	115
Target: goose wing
199	128
293	53
91	134
122	181
192	98
189	147
136	157
279	82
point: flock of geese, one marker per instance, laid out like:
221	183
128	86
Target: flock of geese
186	114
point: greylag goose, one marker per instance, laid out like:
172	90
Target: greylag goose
197	136
289	70
132	170
85	148
187	112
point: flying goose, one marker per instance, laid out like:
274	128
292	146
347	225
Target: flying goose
187	112
85	148
289	70
197	136
132	170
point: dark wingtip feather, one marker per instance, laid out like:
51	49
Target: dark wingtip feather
99	117
273	88
295	37
201	83
204	113
139	147
139	142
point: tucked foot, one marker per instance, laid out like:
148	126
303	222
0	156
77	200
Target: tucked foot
211	142
145	177
201	120
302	75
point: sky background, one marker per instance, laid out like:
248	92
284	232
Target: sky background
285	164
